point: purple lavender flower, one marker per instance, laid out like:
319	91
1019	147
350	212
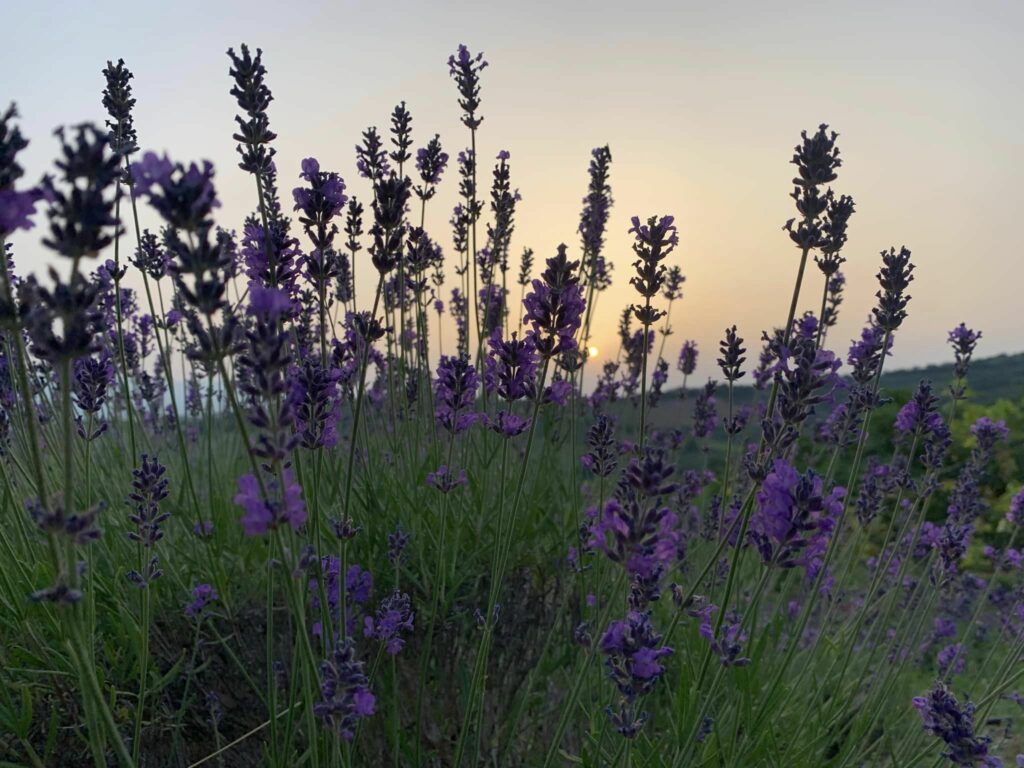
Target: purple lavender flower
345	695
81	212
817	159
963	340
1015	514
358	585
806	376
149	488
554	308
966	503
728	643
465	69
596	206
557	393
62	323
268	304
76	528
503	207
203	595
93	376
314	394
603	457
894	278
943	717
319	203
833	235
401	134
732	350
633	650
431	161
951	660
261	515
705	414
150	256
397	541
491	308
388	232
16	208
253	96
455	392
393	618
636	529
372	157
865	354
791	509
834	297
118	101
687	358
446	480
508	424
989	432
655	240
511	367
184	197
920	414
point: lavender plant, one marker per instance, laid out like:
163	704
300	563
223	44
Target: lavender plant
362	547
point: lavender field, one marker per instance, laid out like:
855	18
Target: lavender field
349	482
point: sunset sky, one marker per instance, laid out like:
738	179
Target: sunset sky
701	104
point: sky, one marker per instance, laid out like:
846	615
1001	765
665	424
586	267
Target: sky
700	103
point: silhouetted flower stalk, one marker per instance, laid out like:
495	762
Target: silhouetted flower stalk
118	101
465	69
833	238
816	159
254	135
593	222
733	356
673	290
655	240
319	203
833	299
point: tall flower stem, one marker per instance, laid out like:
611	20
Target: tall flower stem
120	325
788	327
643	382
478	681
436	601
140	706
728	462
820	337
358	408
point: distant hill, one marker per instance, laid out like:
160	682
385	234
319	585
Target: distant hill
990	379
